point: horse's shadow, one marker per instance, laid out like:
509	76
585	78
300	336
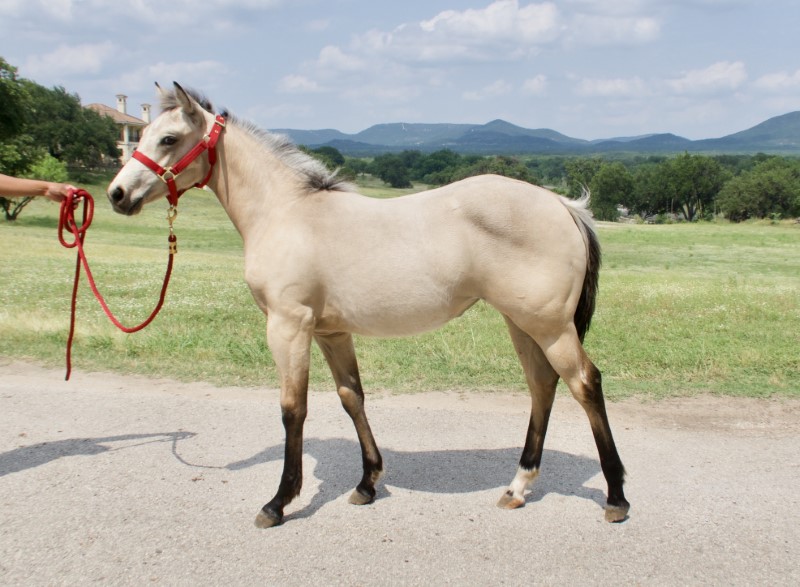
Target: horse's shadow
338	463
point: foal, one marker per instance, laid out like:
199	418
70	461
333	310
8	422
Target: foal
324	262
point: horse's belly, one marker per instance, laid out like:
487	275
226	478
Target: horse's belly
392	316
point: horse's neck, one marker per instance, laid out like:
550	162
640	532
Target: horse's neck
249	181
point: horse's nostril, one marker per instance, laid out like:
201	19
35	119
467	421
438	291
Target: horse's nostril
117	194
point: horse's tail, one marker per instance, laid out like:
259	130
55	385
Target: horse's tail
579	209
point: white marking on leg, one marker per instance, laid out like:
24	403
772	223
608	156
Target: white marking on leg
514	496
522	480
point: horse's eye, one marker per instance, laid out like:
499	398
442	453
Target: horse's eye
169	140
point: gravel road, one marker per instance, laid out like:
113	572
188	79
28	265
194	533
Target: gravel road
119	480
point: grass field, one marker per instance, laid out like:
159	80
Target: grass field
683	309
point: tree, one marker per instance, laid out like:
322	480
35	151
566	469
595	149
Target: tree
610	186
330	156
75	135
13	102
650	194
771	187
695	181
42	131
498	165
437	168
580	172
391	169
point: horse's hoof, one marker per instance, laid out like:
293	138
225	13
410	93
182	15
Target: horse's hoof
617	513
267	519
359	498
509	502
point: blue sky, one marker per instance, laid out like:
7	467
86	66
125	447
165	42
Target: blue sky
587	68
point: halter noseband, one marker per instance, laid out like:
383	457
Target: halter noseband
168	175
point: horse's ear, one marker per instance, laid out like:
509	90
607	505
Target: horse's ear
160	90
187	103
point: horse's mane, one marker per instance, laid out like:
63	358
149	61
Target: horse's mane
314	173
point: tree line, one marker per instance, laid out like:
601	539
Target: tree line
685	186
44	132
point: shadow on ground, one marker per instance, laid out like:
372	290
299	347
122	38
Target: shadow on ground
338	463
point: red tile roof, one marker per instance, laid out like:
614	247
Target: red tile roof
116	115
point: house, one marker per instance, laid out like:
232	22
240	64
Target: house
130	127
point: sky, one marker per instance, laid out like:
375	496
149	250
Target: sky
587	68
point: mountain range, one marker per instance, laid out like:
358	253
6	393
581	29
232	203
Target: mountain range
780	134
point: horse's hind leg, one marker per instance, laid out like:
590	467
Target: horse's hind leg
542	380
566	355
341	357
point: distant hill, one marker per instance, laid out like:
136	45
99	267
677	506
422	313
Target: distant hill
780	134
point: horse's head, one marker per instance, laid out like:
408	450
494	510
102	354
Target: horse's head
182	126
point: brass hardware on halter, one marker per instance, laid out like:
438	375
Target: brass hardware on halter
172	213
168	175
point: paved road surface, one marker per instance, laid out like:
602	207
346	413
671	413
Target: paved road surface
117	480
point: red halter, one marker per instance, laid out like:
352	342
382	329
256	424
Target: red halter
168	175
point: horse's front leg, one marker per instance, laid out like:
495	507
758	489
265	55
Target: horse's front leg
289	339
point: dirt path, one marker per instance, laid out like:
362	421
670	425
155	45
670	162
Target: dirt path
131	481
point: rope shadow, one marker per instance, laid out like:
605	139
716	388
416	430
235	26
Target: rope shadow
36	455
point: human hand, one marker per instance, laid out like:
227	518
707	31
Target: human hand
58	192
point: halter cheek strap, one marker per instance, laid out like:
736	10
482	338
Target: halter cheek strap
168	175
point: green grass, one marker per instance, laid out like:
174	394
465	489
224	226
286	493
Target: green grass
683	309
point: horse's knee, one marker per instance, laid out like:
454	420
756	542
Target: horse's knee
293	414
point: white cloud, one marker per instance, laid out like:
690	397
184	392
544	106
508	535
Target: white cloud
332	57
58	9
779	82
187	73
535	86
500	32
154	11
612	87
721	76
493	90
69	59
501	21
298	84
613	30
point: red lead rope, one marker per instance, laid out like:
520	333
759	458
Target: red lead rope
67	221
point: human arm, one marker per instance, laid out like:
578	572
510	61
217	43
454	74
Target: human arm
15	186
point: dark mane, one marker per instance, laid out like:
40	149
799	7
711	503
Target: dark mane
316	176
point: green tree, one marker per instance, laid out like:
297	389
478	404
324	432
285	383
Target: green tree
772	187
610	186
13	102
580	172
651	193
330	156
498	165
695	182
391	168
437	168
75	135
